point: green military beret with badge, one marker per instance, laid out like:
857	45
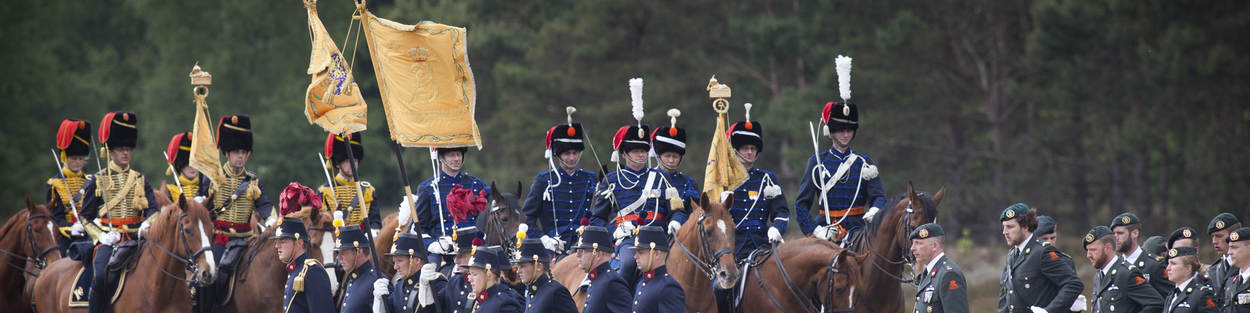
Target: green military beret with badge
1182	251
1094	234
1221	222
1125	219
926	231
1013	211
1239	235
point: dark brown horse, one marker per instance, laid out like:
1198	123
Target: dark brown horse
702	254
27	245
261	276
176	246
885	254
802	275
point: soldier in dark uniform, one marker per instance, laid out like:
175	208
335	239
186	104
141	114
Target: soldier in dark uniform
189	181
493	295
842	186
458	295
542	294
669	146
653	289
73	141
1222	269
415	284
233	201
1237	288
759	209
344	197
560	197
307	284
351	249
1118	285
1036	276
1192	294
941	287
633	195
1183	237
1157	247
1127	228
432	197
1046	230
117	201
605	289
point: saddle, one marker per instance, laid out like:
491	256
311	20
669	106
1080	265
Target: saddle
81	288
124	255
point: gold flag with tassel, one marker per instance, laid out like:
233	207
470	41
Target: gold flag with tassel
204	154
332	101
723	171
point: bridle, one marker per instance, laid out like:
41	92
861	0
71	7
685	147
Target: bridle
496	224
829	276
709	267
813	304
906	260
189	261
36	256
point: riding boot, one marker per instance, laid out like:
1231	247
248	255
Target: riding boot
99	297
725	299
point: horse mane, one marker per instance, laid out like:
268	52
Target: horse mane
166	217
13	222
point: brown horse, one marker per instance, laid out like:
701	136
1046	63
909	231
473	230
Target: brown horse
885	254
176	246
702	253
27	245
802	275
260	277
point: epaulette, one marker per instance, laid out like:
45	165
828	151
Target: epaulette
298	284
365	184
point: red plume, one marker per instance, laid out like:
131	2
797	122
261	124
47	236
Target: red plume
477	241
462	203
65	133
585	221
295	196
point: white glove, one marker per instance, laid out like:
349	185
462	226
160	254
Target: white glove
379	305
626	229
442	246
1079	305
143	228
429	272
673	226
774	235
373	233
110	238
425	294
271	221
199	199
1037	309
552	244
76	230
381	287
872	212
405	212
338	217
825	232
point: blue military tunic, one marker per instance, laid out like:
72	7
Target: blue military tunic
566	196
357	292
606	291
457	295
688	189
403	296
626	186
499	298
847	193
315	296
427	209
655	291
752	212
547	295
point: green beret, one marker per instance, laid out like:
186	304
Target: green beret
1241	234
1045	225
1154	245
1013	211
1125	219
926	231
1094	234
1182	251
1181	233
1222	222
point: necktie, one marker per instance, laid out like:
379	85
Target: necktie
1015	254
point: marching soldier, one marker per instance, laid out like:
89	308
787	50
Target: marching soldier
351	249
841	185
458	294
307	284
73	141
653	289
942	287
669	144
1046	227
234	199
415	283
435	218
117	200
759	208
1222	269
190	182
1237	287
1118	285
1192	293
1036	277
560	197
1127	228
493	295
343	197
1183	237
542	294
605	289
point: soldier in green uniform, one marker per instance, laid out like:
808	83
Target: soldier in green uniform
1036	278
190	183
1222	269
1118	285
344	197
1237	288
1127	229
1183	237
1192	294
941	286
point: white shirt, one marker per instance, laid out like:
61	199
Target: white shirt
1132	257
933	262
1020	247
1107	267
1245	274
1181	286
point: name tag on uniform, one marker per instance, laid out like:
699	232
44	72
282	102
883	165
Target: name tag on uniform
928	295
753	195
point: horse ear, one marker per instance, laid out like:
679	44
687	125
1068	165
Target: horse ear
937	198
703	200
182	202
30	205
911	191
494	191
728	202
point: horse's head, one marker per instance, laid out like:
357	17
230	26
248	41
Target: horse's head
713	228
186	228
502	216
835	287
919	209
40	232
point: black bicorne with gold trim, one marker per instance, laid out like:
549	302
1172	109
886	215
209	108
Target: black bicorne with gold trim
234	133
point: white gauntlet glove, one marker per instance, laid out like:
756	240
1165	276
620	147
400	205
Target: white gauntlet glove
774	235
425	294
143	228
673	227
1037	309
872	212
381	287
1079	304
76	230
825	232
626	229
110	238
552	244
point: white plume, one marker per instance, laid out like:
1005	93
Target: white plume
748	106
635	97
843	64
673	114
569	110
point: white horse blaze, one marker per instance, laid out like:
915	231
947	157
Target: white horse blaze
51	229
721	225
208	254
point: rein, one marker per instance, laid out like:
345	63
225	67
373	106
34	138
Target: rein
191	255
708	267
37	256
811	304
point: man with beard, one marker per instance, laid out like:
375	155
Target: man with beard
1036	277
1127	228
1118	286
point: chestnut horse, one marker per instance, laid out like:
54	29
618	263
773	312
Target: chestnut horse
177	245
702	253
260	277
885	254
802	275
27	245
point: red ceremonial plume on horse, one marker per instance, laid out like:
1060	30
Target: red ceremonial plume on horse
462	203
296	196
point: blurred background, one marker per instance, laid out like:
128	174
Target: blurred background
1082	109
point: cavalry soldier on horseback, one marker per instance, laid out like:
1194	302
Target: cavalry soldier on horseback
653	289
542	294
1036	277
605	289
73	142
342	198
117	201
190	183
492	293
1118	285
1236	292
307	284
1192	294
560	197
234	200
941	286
1127	228
351	249
1222	269
669	144
415	282
841	185
434	215
759	208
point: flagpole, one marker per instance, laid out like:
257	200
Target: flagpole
360	193
403	179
